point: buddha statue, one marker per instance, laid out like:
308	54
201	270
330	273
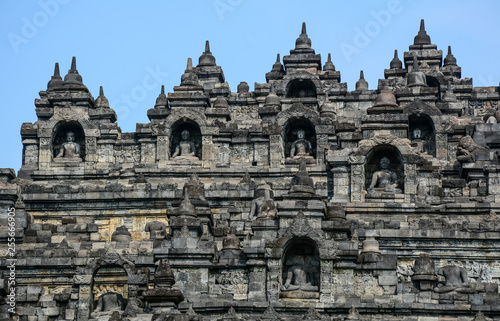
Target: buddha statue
384	180
110	301
196	190
417	134
301	275
417	139
263	206
455	279
301	148
70	150
156	229
185	150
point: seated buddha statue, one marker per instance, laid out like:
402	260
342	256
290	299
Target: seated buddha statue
301	148
70	150
185	150
384	180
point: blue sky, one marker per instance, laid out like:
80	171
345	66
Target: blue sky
131	48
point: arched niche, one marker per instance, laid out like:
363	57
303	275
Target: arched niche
421	131
60	137
110	280
194	135
290	132
372	164
301	88
300	269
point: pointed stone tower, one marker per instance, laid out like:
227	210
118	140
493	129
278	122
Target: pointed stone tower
277	72
210	76
424	49
450	67
303	56
102	112
161	109
361	84
56	80
189	88
395	68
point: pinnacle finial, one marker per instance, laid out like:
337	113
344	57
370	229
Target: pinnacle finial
303	41
329	66
73	77
416	77
395	62
450	60
101	101
415	63
422	38
302	166
422	25
361	84
56	80
277	66
189	78
186	207
206	58
161	101
73	64
56	70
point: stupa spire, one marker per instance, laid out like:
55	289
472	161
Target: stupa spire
361	84
101	101
161	101
422	38
73	77
450	60
206	58
303	41
56	80
395	62
329	66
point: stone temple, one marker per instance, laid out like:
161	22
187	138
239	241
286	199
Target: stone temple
300	200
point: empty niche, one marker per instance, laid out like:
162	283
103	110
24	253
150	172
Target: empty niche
301	88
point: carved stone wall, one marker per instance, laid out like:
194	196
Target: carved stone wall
228	223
